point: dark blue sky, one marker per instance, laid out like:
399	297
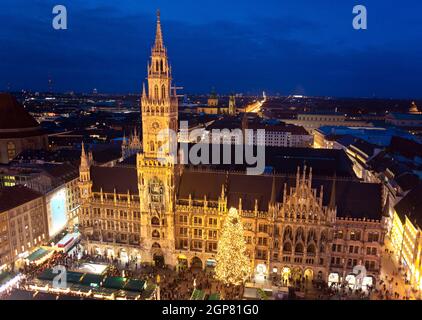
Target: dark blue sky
291	46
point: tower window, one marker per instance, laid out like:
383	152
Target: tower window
163	91
156	92
11	150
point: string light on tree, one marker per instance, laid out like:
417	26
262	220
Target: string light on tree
233	266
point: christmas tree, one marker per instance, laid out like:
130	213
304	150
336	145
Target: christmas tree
233	266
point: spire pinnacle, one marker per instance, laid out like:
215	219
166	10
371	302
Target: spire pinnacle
84	157
273	191
158	45
332	204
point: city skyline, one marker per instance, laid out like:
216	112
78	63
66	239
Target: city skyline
313	51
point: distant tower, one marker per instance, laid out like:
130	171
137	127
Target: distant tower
413	108
232	105
50	84
85	183
131	146
213	99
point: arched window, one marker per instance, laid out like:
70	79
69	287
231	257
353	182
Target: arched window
288	234
287	247
299	234
299	248
311	236
163	91
155	221
310	250
155	234
161	66
157	66
156	92
151	145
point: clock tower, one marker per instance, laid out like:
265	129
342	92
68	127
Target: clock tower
155	165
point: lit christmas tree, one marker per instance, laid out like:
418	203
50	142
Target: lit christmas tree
233	266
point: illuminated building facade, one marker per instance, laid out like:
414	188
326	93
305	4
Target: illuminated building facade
23	224
159	212
406	236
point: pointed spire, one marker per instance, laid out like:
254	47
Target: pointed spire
83	154
84	157
386	211
124	142
144	92
273	192
332	204
158	45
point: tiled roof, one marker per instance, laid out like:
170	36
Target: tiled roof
11	197
123	179
411	206
353	198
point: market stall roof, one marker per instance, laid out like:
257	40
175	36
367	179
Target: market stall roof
74	277
47	274
90	279
197	295
114	283
135	285
214	296
38	254
5	276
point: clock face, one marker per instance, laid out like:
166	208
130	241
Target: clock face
155	125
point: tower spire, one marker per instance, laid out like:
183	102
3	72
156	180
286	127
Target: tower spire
332	204
273	191
84	158
158	45
144	91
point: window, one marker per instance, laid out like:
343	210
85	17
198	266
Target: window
212	246
183	219
197	220
197	233
184	232
183	243
11	150
163	91
212	221
197	245
373	237
212	234
156	92
262	241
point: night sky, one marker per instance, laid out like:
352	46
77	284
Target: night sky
287	47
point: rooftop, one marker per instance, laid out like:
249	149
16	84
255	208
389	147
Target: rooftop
12	197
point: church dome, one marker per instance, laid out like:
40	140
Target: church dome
15	121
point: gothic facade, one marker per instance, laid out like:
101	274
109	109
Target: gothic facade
157	212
